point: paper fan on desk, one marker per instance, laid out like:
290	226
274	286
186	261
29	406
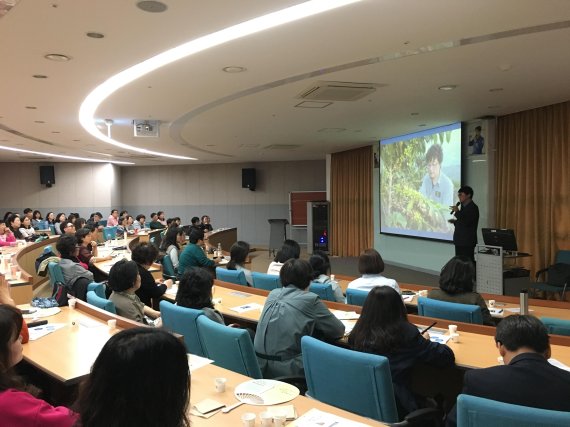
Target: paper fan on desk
265	392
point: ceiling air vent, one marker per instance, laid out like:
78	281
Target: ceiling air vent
282	147
337	91
146	128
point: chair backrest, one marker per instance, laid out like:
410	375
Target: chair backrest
168	268
563	256
98	288
183	321
450	310
323	290
55	274
102	222
97	301
110	233
42	225
556	326
231	276
476	411
265	281
230	348
52	229
356	296
330	369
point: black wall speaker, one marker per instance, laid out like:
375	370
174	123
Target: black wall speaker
248	178
47	175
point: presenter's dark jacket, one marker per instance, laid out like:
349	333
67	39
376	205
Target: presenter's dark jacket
529	380
466	225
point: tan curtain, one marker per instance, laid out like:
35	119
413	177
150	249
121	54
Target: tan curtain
351	202
533	181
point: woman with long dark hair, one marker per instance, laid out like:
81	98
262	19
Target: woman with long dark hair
172	242
289	250
140	378
383	329
17	406
195	291
238	254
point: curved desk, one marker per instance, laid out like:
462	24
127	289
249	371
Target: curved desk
224	236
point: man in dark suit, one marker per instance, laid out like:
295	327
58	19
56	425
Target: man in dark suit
526	379
466	221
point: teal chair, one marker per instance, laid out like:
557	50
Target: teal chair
229	348
356	296
329	369
55	274
183	321
231	276
98	288
556	326
475	411
557	275
102	222
110	233
323	290
265	281
97	301
450	311
168	271
52	229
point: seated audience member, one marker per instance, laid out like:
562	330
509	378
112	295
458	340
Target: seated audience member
176	221
139	223
76	276
175	237
67	227
6	215
290	313
144	254
195	291
290	249
27	231
123	213
79	223
206	226
456	282
122	228
17	407
113	219
124	280
370	265
94	220
59	219
383	329
140	378
161	218
155	224
526	378
193	255
88	251
238	254
195	221
28	213
321	269
14	224
7	238
72	217
37	219
50	218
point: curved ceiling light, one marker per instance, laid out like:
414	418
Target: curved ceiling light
255	25
61	156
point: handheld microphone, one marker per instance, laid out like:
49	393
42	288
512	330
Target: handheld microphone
457	204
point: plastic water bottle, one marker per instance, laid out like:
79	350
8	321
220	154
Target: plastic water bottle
524	301
219	253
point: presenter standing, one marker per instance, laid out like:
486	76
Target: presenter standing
466	222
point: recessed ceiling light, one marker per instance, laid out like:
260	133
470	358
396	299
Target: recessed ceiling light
77	140
40	76
233	69
422	125
20	150
31	107
94	35
447	87
39	121
414	114
152	6
497	89
57	57
55	131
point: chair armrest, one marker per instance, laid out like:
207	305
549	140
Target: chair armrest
419	416
539	272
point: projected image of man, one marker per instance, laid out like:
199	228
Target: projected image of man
436	185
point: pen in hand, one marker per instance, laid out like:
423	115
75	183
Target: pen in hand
428	328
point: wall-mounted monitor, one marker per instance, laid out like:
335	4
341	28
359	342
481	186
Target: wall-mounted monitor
420	174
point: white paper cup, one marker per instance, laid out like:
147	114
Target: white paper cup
266	419
220	384
455	338
423	293
71	302
452	329
248	419
279	420
112	323
18	275
491	303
